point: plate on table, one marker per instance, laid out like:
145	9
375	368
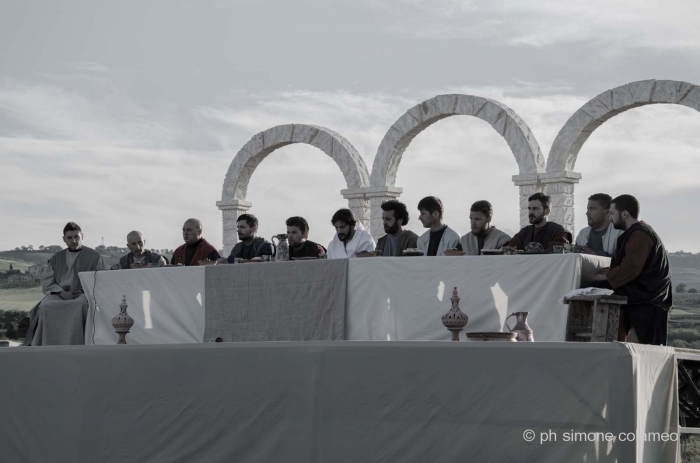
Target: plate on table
454	252
413	252
304	258
365	254
491	252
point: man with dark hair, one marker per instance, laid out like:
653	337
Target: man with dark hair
483	234
59	318
540	230
195	248
600	236
249	246
299	244
439	237
641	271
396	240
351	237
139	256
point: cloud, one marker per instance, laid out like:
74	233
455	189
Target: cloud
537	23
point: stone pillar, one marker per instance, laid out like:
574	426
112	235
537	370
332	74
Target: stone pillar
358	204
560	186
528	185
230	211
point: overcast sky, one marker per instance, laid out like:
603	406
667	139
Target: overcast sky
126	114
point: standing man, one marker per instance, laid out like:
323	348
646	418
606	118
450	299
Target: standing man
483	235
351	237
299	244
600	236
139	256
540	230
249	246
439	238
641	271
195	248
396	240
59	318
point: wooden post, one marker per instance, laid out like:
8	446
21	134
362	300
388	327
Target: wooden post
593	318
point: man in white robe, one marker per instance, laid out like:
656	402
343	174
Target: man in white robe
351	237
60	317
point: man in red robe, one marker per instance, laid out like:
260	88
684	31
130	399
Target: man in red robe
195	248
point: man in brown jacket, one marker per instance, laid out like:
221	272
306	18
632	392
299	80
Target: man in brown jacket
396	240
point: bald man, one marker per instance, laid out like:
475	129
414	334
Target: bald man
195	248
139	257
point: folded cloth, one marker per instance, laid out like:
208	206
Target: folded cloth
586	292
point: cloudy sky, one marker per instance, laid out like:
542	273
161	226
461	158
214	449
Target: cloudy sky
126	114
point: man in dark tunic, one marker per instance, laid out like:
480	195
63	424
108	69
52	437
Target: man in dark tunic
139	256
299	244
195	248
540	230
639	270
249	246
397	239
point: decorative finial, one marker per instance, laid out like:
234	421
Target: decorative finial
455	320
122	322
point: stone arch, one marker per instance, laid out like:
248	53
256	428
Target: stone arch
505	121
233	197
580	126
560	178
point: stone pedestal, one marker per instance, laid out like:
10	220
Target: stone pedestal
527	185
560	186
230	212
373	199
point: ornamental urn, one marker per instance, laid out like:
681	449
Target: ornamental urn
122	322
455	320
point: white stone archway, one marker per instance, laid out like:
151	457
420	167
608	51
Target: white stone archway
560	178
504	120
233	197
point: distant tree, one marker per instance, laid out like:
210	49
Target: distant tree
10	330
680	288
17	249
30	247
692	291
41	248
53	248
24	248
11	267
101	248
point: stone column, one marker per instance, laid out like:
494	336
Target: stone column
560	186
358	204
230	211
528	184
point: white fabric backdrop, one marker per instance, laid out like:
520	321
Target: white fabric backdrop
316	402
403	298
388	298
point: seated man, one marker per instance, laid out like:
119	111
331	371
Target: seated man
641	271
351	237
195	248
483	235
249	246
439	238
548	234
600	236
299	244
139	257
396	240
59	318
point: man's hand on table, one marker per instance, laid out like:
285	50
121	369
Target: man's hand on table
222	260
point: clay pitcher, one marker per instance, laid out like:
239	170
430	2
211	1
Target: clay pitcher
282	247
521	328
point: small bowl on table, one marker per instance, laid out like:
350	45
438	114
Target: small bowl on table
413	252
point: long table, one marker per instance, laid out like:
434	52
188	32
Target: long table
339	402
387	298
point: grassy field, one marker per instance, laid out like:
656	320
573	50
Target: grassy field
32	258
16	265
20	298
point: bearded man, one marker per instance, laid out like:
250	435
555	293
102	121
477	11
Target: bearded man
249	245
351	237
139	256
600	236
298	237
483	234
540	230
397	239
59	319
195	248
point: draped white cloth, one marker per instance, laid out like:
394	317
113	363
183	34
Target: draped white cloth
361	241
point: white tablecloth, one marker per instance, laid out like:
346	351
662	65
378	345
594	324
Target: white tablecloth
399	298
339	402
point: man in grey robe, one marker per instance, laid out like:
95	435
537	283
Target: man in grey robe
139	256
59	318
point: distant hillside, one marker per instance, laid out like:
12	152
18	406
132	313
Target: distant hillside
38	257
685	268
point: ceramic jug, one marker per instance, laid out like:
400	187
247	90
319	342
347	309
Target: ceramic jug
521	328
282	247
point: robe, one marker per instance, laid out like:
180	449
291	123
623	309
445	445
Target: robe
361	242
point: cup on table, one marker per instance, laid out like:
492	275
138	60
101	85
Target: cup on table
559	249
266	258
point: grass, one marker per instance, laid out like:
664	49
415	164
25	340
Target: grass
16	265
20	298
